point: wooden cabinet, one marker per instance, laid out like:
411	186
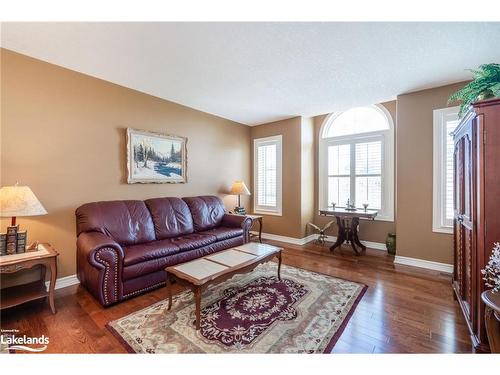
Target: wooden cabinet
477	208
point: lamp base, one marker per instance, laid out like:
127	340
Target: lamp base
240	211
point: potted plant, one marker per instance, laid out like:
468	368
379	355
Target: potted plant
485	85
491	273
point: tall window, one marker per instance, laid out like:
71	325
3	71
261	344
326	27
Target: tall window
267	175
357	160
445	122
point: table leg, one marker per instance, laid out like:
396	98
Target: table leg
53	277
279	265
169	291
260	230
197	300
354	233
340	234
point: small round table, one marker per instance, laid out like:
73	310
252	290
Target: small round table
492	319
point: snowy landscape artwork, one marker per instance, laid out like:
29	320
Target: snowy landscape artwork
155	158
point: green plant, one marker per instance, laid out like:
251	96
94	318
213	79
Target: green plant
486	84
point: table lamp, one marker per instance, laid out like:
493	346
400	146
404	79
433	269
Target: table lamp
239	188
18	201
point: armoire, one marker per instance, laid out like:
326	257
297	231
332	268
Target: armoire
476	209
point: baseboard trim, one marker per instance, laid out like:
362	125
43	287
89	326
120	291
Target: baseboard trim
312	237
421	263
64	282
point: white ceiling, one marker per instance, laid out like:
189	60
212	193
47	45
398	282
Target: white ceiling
254	73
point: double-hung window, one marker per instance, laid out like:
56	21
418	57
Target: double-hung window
357	161
267	175
445	122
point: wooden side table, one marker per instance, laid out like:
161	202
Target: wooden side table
492	319
46	256
257	218
348	226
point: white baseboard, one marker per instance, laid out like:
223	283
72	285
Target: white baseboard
63	282
436	266
312	237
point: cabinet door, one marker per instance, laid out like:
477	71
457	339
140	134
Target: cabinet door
465	272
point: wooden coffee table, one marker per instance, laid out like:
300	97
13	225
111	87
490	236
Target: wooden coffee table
215	268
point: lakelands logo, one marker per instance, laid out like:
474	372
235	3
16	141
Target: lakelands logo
11	340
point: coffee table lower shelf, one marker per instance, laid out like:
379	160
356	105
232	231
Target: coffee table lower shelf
16	295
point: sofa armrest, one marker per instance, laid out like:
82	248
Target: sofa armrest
236	221
99	266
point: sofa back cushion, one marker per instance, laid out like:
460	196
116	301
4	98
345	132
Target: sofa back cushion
207	211
171	217
127	222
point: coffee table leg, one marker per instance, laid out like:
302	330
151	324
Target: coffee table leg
53	277
279	265
197	299
169	292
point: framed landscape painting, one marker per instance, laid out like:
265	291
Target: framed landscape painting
155	157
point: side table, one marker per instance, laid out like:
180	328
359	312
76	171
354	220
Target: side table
492	319
257	218
46	256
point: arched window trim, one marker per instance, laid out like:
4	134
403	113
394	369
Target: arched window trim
388	161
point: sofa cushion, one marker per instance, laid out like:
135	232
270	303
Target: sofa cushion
171	217
127	222
193	241
207	211
224	233
149	251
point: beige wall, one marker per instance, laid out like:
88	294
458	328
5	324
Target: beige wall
308	152
290	222
63	134
415	237
375	231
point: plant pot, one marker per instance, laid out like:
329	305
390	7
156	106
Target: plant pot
390	243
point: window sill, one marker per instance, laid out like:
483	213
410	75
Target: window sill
271	213
446	230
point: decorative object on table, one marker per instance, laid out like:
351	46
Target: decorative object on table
155	157
365	206
12	239
390	243
321	232
3	244
348	227
239	188
333	204
16	295
491	272
237	318
32	247
18	201
485	85
350	206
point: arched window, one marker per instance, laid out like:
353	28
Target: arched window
357	160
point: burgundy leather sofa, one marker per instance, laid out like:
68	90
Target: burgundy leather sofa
124	246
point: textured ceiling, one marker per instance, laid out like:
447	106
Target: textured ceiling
259	72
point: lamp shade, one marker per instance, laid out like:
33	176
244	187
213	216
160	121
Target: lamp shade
239	188
19	201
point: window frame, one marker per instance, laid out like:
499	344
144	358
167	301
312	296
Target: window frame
440	118
268	210
386	213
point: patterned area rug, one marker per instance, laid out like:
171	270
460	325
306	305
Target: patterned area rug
305	312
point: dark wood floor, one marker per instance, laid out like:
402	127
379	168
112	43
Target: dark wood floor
405	309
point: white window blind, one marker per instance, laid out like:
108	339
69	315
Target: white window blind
445	122
267	175
356	160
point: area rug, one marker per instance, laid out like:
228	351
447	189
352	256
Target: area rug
305	312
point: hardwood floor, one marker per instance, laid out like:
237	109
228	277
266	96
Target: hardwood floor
405	309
